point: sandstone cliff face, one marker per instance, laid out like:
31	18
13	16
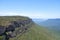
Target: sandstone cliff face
14	28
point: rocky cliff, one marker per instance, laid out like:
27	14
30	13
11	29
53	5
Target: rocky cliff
13	26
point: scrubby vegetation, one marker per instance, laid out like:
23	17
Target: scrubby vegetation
4	20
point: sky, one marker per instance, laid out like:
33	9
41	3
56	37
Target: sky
32	8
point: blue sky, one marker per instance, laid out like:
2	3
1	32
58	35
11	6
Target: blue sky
32	8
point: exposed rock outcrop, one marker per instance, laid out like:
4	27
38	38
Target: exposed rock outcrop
14	28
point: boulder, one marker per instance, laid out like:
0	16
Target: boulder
2	30
16	23
10	28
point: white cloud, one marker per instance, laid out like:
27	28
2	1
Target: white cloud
31	15
7	13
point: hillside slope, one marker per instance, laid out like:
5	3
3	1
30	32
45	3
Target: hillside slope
37	33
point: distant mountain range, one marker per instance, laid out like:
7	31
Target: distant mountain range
38	21
50	23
